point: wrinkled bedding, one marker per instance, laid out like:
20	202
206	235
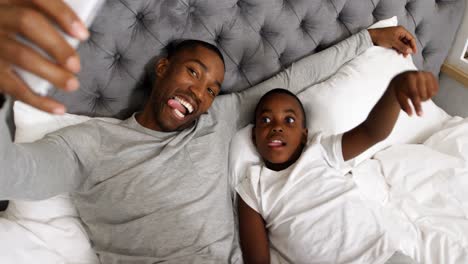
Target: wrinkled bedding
50	232
422	192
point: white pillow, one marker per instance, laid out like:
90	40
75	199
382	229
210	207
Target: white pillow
47	231
344	100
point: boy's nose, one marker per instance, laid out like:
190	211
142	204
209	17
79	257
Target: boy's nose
277	129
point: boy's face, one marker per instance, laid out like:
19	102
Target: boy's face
279	134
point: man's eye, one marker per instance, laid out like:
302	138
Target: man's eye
211	92
266	120
193	72
290	120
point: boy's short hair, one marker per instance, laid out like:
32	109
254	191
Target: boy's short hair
281	91
176	46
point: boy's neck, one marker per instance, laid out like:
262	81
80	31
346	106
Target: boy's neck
282	166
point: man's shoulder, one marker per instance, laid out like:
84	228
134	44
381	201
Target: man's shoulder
85	131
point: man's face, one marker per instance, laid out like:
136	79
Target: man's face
279	134
185	87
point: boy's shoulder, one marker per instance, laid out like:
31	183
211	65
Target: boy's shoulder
325	148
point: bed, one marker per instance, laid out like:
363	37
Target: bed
258	38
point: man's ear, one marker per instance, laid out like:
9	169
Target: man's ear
305	134
161	67
254	140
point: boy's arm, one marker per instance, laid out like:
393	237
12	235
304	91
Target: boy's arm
413	86
253	235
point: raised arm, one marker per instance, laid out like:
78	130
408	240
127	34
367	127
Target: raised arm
37	170
253	235
414	86
314	69
300	75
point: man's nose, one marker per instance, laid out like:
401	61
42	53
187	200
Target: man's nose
197	90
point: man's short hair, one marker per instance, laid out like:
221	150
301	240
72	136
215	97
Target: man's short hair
177	46
174	47
281	91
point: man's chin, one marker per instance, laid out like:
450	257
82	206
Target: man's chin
168	121
171	126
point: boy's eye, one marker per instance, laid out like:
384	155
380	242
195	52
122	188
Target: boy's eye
266	120
290	120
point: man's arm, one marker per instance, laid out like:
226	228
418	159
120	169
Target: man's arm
253	235
37	170
299	76
413	85
314	69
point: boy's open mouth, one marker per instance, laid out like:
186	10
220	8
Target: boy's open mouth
276	143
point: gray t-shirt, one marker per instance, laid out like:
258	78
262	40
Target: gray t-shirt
147	196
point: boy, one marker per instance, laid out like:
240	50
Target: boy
300	185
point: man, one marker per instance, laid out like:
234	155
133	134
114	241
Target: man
153	188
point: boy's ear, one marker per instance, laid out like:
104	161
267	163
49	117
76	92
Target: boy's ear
305	134
161	67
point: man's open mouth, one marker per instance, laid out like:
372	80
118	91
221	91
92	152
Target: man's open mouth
181	107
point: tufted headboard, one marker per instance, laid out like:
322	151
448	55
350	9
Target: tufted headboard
258	38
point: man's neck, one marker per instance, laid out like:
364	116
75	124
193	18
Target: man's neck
146	121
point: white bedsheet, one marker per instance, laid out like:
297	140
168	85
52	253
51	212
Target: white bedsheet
51	233
423	192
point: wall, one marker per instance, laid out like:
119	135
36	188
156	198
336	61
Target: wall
453	95
459	44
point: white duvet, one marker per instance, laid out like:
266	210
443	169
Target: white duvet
50	232
423	192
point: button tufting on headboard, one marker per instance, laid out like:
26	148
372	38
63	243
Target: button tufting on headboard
257	38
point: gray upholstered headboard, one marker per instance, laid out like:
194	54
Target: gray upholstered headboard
257	38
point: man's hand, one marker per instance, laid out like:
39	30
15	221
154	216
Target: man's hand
414	87
34	20
397	38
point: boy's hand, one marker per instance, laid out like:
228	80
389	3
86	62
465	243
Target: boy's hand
414	86
34	21
397	38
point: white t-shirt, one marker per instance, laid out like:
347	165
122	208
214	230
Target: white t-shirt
313	211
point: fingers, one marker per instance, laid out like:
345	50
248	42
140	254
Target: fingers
404	103
416	100
401	47
433	84
411	41
59	12
403	41
13	85
35	27
413	92
408	39
35	21
64	16
416	87
25	57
